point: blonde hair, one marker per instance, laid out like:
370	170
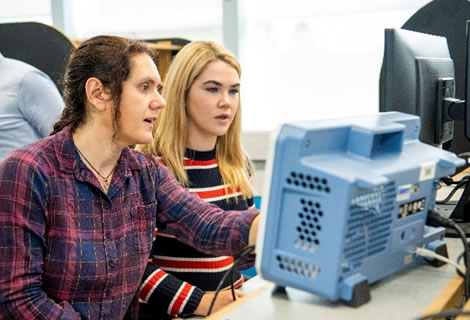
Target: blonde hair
171	130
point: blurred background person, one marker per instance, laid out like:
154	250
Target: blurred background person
30	104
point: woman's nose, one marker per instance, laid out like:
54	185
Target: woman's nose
158	102
224	101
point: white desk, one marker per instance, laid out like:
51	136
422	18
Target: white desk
405	295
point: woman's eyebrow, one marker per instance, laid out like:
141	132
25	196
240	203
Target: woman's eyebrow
217	83
148	79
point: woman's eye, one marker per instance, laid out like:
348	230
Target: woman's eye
144	86
212	90
234	91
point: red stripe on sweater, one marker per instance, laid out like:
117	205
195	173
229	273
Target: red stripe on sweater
215	193
175	310
191	162
152	281
185	264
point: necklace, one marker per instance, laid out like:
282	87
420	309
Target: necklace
105	179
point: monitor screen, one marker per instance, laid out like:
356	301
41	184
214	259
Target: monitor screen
417	77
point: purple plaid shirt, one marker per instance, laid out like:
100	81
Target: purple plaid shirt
67	250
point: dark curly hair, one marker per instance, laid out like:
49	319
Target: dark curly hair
107	58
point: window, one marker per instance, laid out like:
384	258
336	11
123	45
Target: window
25	10
307	59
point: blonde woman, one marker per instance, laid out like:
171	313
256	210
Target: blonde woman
198	138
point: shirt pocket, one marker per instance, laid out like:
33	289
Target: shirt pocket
143	219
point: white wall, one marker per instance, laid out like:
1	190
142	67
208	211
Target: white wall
26	10
306	59
146	19
301	58
313	59
141	19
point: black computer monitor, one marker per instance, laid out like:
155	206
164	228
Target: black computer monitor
418	77
461	213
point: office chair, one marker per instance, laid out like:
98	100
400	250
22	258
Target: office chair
40	45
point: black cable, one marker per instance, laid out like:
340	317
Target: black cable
459	184
445	314
465	155
465	252
243	253
447	180
232	280
436	220
450	181
459	257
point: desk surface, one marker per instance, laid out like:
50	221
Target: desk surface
405	295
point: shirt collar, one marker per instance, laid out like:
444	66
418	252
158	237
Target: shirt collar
67	156
200	155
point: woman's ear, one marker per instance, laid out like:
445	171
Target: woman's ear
97	95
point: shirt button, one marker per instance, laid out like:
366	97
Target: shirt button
112	264
106	205
108	291
108	235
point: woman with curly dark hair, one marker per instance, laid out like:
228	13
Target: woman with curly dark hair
78	209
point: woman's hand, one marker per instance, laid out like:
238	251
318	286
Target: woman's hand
223	298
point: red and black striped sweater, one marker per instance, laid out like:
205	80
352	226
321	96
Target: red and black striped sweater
178	275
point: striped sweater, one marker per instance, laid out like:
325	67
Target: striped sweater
178	275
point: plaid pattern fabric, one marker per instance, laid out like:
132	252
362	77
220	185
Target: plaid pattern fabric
69	251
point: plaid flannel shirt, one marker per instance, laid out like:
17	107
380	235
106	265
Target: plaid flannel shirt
68	250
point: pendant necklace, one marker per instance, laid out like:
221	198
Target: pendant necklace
106	183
